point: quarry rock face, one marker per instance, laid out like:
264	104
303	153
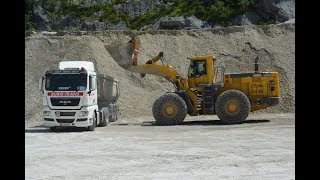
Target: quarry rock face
39	18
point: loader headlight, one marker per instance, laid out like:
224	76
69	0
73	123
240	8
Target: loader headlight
46	113
84	113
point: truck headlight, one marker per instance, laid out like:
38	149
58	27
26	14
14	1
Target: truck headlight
46	113
84	113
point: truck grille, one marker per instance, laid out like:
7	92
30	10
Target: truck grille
67	113
69	101
65	120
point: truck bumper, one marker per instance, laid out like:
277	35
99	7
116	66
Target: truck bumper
75	123
67	118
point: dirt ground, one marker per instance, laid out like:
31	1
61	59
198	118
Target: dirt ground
261	148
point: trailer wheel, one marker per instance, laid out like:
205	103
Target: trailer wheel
116	116
169	109
232	107
110	118
53	129
93	126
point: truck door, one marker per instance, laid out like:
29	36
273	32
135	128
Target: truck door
92	90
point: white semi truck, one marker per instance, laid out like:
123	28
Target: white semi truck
75	95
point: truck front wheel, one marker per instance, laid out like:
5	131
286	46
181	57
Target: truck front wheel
93	126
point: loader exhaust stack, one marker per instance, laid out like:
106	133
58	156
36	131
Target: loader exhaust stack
256	65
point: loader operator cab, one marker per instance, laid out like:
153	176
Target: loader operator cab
197	68
201	71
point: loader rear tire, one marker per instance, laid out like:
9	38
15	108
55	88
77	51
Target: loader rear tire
169	109
232	107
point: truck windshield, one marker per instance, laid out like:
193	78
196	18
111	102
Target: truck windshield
66	82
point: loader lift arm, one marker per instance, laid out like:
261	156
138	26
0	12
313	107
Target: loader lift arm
161	70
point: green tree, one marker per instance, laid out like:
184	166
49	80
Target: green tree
219	13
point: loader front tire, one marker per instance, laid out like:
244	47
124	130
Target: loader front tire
169	109
232	107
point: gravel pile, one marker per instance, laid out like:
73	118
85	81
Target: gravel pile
235	49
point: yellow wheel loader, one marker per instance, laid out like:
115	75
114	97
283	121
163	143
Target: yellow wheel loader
200	94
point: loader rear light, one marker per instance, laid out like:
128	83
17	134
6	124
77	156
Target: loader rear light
271	85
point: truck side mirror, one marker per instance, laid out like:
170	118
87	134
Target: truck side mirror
41	82
92	83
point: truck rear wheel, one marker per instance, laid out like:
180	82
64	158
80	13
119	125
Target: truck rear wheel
53	129
105	120
169	109
232	107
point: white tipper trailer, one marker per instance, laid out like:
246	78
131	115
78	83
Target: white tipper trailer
75	95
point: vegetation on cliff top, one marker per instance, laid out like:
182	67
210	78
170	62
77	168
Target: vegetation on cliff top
212	11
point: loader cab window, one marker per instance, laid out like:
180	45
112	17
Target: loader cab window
197	68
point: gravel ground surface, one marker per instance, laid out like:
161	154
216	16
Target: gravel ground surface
133	148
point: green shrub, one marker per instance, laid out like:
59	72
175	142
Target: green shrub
27	24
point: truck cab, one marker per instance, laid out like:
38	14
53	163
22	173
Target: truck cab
70	97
